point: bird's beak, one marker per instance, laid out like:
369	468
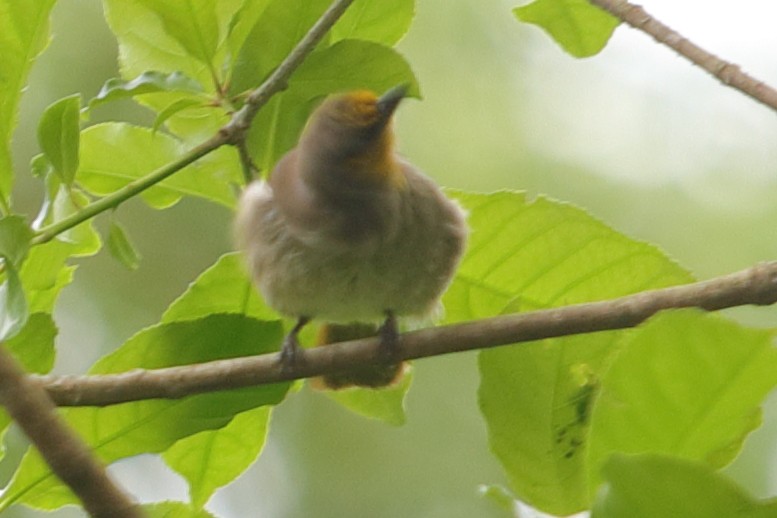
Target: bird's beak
389	101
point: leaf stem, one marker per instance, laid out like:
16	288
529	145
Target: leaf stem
128	191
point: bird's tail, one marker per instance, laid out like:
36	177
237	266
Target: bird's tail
371	376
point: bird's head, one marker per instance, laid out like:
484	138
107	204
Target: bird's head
351	133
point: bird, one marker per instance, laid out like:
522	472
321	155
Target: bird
345	230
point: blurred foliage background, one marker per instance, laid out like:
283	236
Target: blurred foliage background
638	137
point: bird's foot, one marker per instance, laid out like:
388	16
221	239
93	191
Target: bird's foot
291	352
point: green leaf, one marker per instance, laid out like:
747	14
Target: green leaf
279	28
121	247
146	83
222	288
173	37
115	154
173	109
579	27
214	458
45	273
192	23
528	254
24	33
536	397
648	486
349	65
84	238
153	426
13	304
15	236
58	135
386	404
381	22
687	384
174	510
33	346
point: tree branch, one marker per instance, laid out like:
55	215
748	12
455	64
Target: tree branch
68	457
756	285
234	132
728	73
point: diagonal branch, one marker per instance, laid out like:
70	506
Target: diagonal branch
756	285
70	459
234	132
728	73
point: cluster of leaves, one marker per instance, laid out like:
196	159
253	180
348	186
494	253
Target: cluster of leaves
586	422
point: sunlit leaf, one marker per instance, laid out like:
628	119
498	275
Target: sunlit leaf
175	510
687	384
373	20
648	486
58	136
121	247
214	458
15	236
223	288
536	397
578	26
24	33
115	154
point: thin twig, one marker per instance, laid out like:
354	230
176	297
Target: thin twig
234	132
728	73
68	457
756	285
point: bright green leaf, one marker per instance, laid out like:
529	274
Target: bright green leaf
33	346
174	510
13	304
152	426
173	109
242	23
146	83
223	288
579	27
279	28
214	458
192	23
58	135
649	486
84	238
121	247
45	273
375	20
536	397
158	42
115	154
386	404
15	236
24	33
687	384
352	64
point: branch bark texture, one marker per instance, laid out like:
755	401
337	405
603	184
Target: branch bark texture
69	458
728	73
756	285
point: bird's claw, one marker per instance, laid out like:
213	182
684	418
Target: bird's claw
389	338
